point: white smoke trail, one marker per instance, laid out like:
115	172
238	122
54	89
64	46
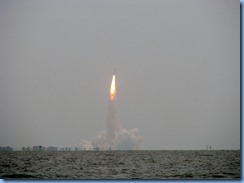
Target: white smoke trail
127	139
114	137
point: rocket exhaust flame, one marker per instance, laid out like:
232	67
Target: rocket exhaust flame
113	89
114	136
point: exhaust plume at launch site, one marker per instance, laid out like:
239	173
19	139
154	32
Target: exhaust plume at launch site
114	137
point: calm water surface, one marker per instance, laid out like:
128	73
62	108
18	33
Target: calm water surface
212	164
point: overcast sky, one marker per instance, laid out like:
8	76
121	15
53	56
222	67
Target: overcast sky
177	62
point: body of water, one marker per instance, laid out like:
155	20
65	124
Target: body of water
211	164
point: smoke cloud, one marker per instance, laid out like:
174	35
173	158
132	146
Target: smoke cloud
114	137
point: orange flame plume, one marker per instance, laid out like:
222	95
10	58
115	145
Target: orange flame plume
113	89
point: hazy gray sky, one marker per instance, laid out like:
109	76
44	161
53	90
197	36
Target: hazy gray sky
178	71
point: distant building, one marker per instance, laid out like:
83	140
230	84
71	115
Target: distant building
6	148
38	148
35	148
